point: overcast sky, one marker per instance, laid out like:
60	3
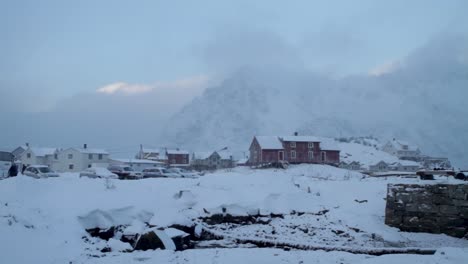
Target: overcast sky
114	73
53	50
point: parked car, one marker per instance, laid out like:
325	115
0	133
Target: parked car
159	173
125	172
39	171
184	173
98	173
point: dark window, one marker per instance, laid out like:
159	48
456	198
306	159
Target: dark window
28	155
70	156
71	166
90	156
100	156
89	166
293	144
55	156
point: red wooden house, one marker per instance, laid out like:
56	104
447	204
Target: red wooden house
293	149
176	157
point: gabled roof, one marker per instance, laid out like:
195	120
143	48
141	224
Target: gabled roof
224	154
201	155
381	162
41	152
269	142
300	139
176	151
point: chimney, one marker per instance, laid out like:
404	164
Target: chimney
85	146
295	133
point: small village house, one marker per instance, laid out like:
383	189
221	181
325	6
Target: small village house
293	149
177	158
379	167
212	160
17	152
399	166
354	165
39	156
403	150
78	159
151	154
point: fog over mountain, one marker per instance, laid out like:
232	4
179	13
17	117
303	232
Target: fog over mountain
421	98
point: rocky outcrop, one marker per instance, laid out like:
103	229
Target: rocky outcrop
431	208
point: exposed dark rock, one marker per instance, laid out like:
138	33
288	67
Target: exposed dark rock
105	234
360	201
149	241
182	242
106	249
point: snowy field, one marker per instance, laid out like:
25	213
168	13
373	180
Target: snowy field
44	221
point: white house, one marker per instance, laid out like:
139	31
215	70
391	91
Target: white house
380	166
17	152
402	149
406	166
78	159
401	166
212	160
39	156
354	165
137	164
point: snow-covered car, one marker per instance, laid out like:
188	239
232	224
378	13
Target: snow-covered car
159	172
39	171
125	172
98	173
184	173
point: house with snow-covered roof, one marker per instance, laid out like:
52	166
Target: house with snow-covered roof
379	167
293	149
402	150
220	159
353	165
177	157
154	154
18	151
79	159
401	166
39	156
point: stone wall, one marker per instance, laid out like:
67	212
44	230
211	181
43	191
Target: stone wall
431	208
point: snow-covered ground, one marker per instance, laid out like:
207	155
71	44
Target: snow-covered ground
44	220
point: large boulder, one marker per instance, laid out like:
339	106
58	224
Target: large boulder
154	239
149	241
105	234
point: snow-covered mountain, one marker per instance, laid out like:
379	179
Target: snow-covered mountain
423	101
